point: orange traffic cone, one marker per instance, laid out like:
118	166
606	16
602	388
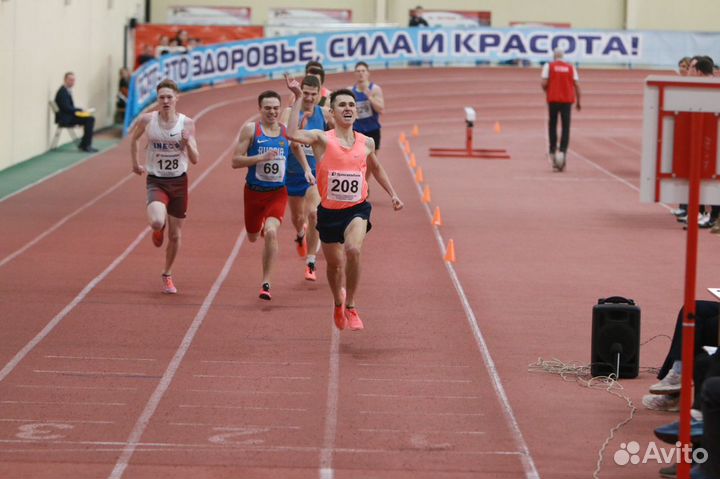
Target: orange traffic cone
419	175
415	131
403	138
413	163
407	148
437	219
426	195
497	128
450	252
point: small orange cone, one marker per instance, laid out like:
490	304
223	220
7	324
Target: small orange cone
419	175
413	163
450	252
437	219
403	138
426	195
497	128
415	131
407	148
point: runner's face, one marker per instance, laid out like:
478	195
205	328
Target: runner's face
344	110
167	99
362	74
310	96
270	110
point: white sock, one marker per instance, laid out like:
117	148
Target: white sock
677	366
310	258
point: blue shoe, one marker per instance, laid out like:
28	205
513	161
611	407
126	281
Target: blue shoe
670	433
697	473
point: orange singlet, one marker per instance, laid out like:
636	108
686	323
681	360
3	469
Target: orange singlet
341	173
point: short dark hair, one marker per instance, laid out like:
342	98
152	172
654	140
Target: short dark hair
342	91
168	83
67	75
310	81
313	64
268	94
316	71
361	64
705	65
684	60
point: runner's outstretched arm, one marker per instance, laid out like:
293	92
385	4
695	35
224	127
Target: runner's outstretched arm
381	176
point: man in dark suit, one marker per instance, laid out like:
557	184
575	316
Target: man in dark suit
69	115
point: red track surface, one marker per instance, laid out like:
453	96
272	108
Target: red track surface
105	377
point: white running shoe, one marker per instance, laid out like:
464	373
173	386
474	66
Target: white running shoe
662	402
670	384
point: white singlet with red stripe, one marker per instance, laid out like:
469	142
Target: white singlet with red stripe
165	155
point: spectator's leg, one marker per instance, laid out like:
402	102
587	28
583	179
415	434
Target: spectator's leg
711	427
706	332
88	128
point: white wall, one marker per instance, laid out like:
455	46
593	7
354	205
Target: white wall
39	41
690	15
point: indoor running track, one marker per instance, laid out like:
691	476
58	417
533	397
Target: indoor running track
104	377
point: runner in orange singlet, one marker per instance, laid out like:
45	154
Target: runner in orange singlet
343	217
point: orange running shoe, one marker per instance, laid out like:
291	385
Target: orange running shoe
310	272
168	285
158	236
302	243
265	292
339	313
353	319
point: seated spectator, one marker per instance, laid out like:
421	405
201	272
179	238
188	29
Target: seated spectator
69	115
707	314
416	18
182	38
122	94
146	55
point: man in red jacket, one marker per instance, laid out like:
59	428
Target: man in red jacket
560	82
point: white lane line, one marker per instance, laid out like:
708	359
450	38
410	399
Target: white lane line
94	373
528	463
331	408
85	388
248	408
66	218
245	392
278	378
421	414
164	384
111	446
64	403
625	147
202	424
62	221
612	175
411	396
60	421
20	355
255	363
409	366
464	381
404	431
93	358
51	175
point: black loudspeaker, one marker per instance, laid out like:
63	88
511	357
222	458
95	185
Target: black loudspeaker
615	338
132	23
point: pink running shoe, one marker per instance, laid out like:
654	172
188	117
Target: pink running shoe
265	292
310	272
301	243
158	236
339	313
353	319
168	285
